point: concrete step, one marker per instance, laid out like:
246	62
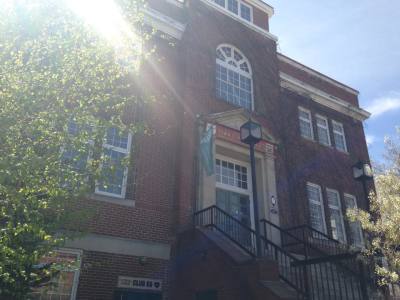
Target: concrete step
281	289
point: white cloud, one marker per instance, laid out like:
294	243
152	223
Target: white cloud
370	139
382	105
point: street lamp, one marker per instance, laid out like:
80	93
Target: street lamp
250	134
362	171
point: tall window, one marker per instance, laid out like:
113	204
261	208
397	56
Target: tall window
339	137
323	130
114	172
115	151
62	285
356	235
306	129
237	7
335	209
233	77
316	206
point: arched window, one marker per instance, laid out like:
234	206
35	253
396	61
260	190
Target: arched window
233	77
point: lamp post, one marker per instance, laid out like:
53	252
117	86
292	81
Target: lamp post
362	171
250	134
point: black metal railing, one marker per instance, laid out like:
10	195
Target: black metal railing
317	239
245	237
290	270
239	233
334	274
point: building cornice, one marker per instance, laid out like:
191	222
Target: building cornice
261	5
323	98
312	72
237	18
163	23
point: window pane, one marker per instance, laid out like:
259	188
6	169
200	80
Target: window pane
337	224
333	198
112	172
316	219
233	87
315	206
231	174
233	6
245	12
356	238
117	139
323	136
220	2
339	141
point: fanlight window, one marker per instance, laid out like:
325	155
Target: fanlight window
233	77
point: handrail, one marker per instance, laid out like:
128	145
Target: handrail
286	232
236	231
245	237
313	230
315	278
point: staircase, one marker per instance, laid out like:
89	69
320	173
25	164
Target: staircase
310	264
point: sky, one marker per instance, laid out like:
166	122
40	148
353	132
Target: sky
356	42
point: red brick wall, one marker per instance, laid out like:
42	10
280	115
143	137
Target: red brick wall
206	30
99	274
260	18
318	83
306	160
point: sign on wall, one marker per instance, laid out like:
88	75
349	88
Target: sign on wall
140	283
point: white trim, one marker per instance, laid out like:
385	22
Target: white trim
308	121
297	65
232	188
317	116
360	232
75	282
124	246
237	69
339	209
323	98
178	3
321	203
249	7
163	23
261	5
342	133
238	190
243	21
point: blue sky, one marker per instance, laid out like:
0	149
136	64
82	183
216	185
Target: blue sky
356	42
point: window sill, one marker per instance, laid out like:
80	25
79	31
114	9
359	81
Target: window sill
324	145
113	200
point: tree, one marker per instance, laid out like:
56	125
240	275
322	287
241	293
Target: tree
382	224
61	67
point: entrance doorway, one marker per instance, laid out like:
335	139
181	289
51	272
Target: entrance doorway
134	295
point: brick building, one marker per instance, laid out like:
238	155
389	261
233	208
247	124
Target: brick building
223	68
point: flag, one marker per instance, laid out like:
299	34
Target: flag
207	150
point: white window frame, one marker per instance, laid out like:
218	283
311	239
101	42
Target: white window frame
308	121
323	128
248	75
240	11
240	3
342	133
232	188
338	208
75	282
345	195
125	179
321	203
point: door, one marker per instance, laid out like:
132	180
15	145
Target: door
134	295
234	196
